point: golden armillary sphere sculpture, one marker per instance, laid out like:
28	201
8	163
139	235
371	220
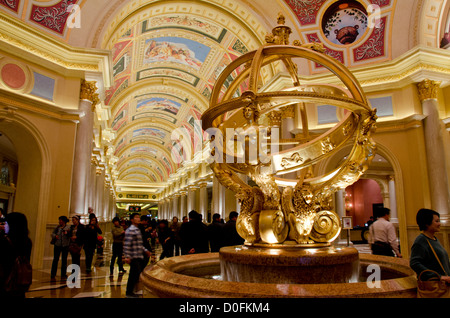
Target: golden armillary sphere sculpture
279	211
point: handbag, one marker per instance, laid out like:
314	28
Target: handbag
434	288
74	248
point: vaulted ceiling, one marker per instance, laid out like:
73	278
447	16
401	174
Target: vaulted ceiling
166	56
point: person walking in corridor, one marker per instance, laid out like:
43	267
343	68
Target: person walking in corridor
134	252
118	234
91	233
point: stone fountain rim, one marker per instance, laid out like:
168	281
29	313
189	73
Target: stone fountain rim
163	279
298	257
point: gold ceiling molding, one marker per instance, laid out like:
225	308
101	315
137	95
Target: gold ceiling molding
155	145
155	87
143	122
140	156
27	40
227	13
30	104
411	67
172	189
147	175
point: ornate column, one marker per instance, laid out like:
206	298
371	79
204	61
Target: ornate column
83	148
166	209
99	185
176	209
218	201
434	145
106	202
203	202
191	199
340	203
183	206
288	125
275	118
340	210
169	207
287	122
160	207
392	199
90	186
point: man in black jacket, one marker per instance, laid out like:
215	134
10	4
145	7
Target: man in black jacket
194	235
232	237
216	233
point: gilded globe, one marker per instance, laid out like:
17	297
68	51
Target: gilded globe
246	140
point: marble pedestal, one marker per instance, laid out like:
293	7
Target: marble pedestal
289	265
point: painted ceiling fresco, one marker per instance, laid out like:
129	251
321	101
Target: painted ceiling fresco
164	71
191	51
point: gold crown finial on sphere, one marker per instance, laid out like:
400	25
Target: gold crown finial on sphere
283	211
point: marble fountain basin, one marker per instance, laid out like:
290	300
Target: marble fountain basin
202	276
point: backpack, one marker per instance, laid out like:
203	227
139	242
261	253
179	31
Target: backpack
21	276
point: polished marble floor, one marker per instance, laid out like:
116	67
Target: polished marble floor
98	284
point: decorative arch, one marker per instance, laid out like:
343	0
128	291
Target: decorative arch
432	17
34	177
332	161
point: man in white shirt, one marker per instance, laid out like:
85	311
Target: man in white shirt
383	239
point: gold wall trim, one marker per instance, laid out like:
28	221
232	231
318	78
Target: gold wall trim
33	42
24	103
411	67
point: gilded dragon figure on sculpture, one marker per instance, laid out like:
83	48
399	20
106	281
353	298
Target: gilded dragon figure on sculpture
286	211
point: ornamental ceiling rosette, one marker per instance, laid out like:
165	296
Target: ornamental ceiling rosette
353	32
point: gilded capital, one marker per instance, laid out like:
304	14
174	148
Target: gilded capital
88	91
274	118
428	89
288	111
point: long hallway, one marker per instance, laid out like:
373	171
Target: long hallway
99	284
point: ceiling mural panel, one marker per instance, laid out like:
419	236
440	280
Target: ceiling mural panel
167	56
11	4
375	46
165	67
177	50
306	11
53	17
189	23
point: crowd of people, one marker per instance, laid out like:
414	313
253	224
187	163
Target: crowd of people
176	238
134	243
73	239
